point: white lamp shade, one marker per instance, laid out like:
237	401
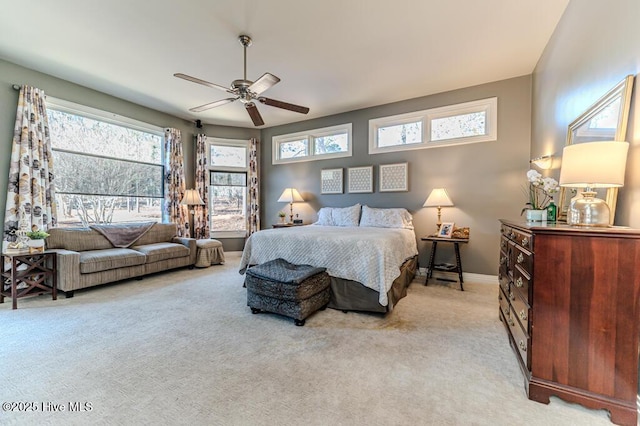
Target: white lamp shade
290	195
191	198
438	198
594	164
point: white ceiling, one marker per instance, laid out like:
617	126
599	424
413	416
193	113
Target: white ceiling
332	55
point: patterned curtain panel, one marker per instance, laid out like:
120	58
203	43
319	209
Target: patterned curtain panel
174	185
253	204
31	187
201	217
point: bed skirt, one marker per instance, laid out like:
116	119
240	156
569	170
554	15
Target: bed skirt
347	295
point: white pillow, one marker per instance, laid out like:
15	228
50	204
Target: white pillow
324	217
335	216
386	218
346	216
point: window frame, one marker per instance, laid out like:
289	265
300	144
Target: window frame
488	105
73	108
311	136
232	169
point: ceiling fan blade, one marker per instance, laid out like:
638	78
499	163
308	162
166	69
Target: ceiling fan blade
203	82
263	83
284	105
254	114
212	105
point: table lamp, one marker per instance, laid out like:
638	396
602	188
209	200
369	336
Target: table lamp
290	195
438	198
592	165
191	198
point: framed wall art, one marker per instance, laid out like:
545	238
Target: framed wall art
360	179
331	181
394	177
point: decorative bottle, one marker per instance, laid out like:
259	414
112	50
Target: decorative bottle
552	211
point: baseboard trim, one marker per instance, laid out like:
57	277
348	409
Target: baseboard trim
467	277
480	278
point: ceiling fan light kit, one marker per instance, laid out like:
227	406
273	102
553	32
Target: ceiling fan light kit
246	91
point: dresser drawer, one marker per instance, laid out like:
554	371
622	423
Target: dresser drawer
523	258
520	338
504	283
524	240
503	266
504	244
504	303
520	307
521	283
521	238
506	231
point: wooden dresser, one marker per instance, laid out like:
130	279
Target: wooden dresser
570	302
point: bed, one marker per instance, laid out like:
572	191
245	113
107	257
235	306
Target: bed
370	266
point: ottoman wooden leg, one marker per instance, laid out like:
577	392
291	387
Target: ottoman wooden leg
299	323
255	311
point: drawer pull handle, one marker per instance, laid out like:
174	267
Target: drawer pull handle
512	296
525	241
512	235
519	282
523	346
520	258
506	314
503	259
523	315
510	321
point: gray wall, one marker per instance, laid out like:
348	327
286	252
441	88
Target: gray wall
595	45
484	180
13	74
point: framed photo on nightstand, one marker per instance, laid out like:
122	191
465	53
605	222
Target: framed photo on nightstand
446	230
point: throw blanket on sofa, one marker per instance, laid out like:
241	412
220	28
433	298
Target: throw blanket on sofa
123	235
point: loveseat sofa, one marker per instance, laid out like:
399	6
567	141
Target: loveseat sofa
88	258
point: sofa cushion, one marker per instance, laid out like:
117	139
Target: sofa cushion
162	251
103	260
159	233
76	239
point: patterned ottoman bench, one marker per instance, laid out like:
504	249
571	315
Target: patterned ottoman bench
295	291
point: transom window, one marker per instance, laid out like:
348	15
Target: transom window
464	123
228	167
317	144
108	168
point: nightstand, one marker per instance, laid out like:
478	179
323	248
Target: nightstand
457	268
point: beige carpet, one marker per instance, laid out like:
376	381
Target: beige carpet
183	348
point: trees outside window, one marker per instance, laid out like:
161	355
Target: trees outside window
105	171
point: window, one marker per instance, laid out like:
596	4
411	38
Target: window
108	168
318	144
228	166
464	123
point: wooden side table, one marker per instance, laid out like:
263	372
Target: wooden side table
457	268
30	269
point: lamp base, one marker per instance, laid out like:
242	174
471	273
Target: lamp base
588	211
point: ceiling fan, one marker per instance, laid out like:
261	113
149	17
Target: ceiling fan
246	91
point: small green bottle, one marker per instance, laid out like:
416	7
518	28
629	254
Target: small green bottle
552	211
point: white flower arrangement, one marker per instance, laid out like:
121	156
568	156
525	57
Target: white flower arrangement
540	190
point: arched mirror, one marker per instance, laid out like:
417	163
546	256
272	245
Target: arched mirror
606	120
